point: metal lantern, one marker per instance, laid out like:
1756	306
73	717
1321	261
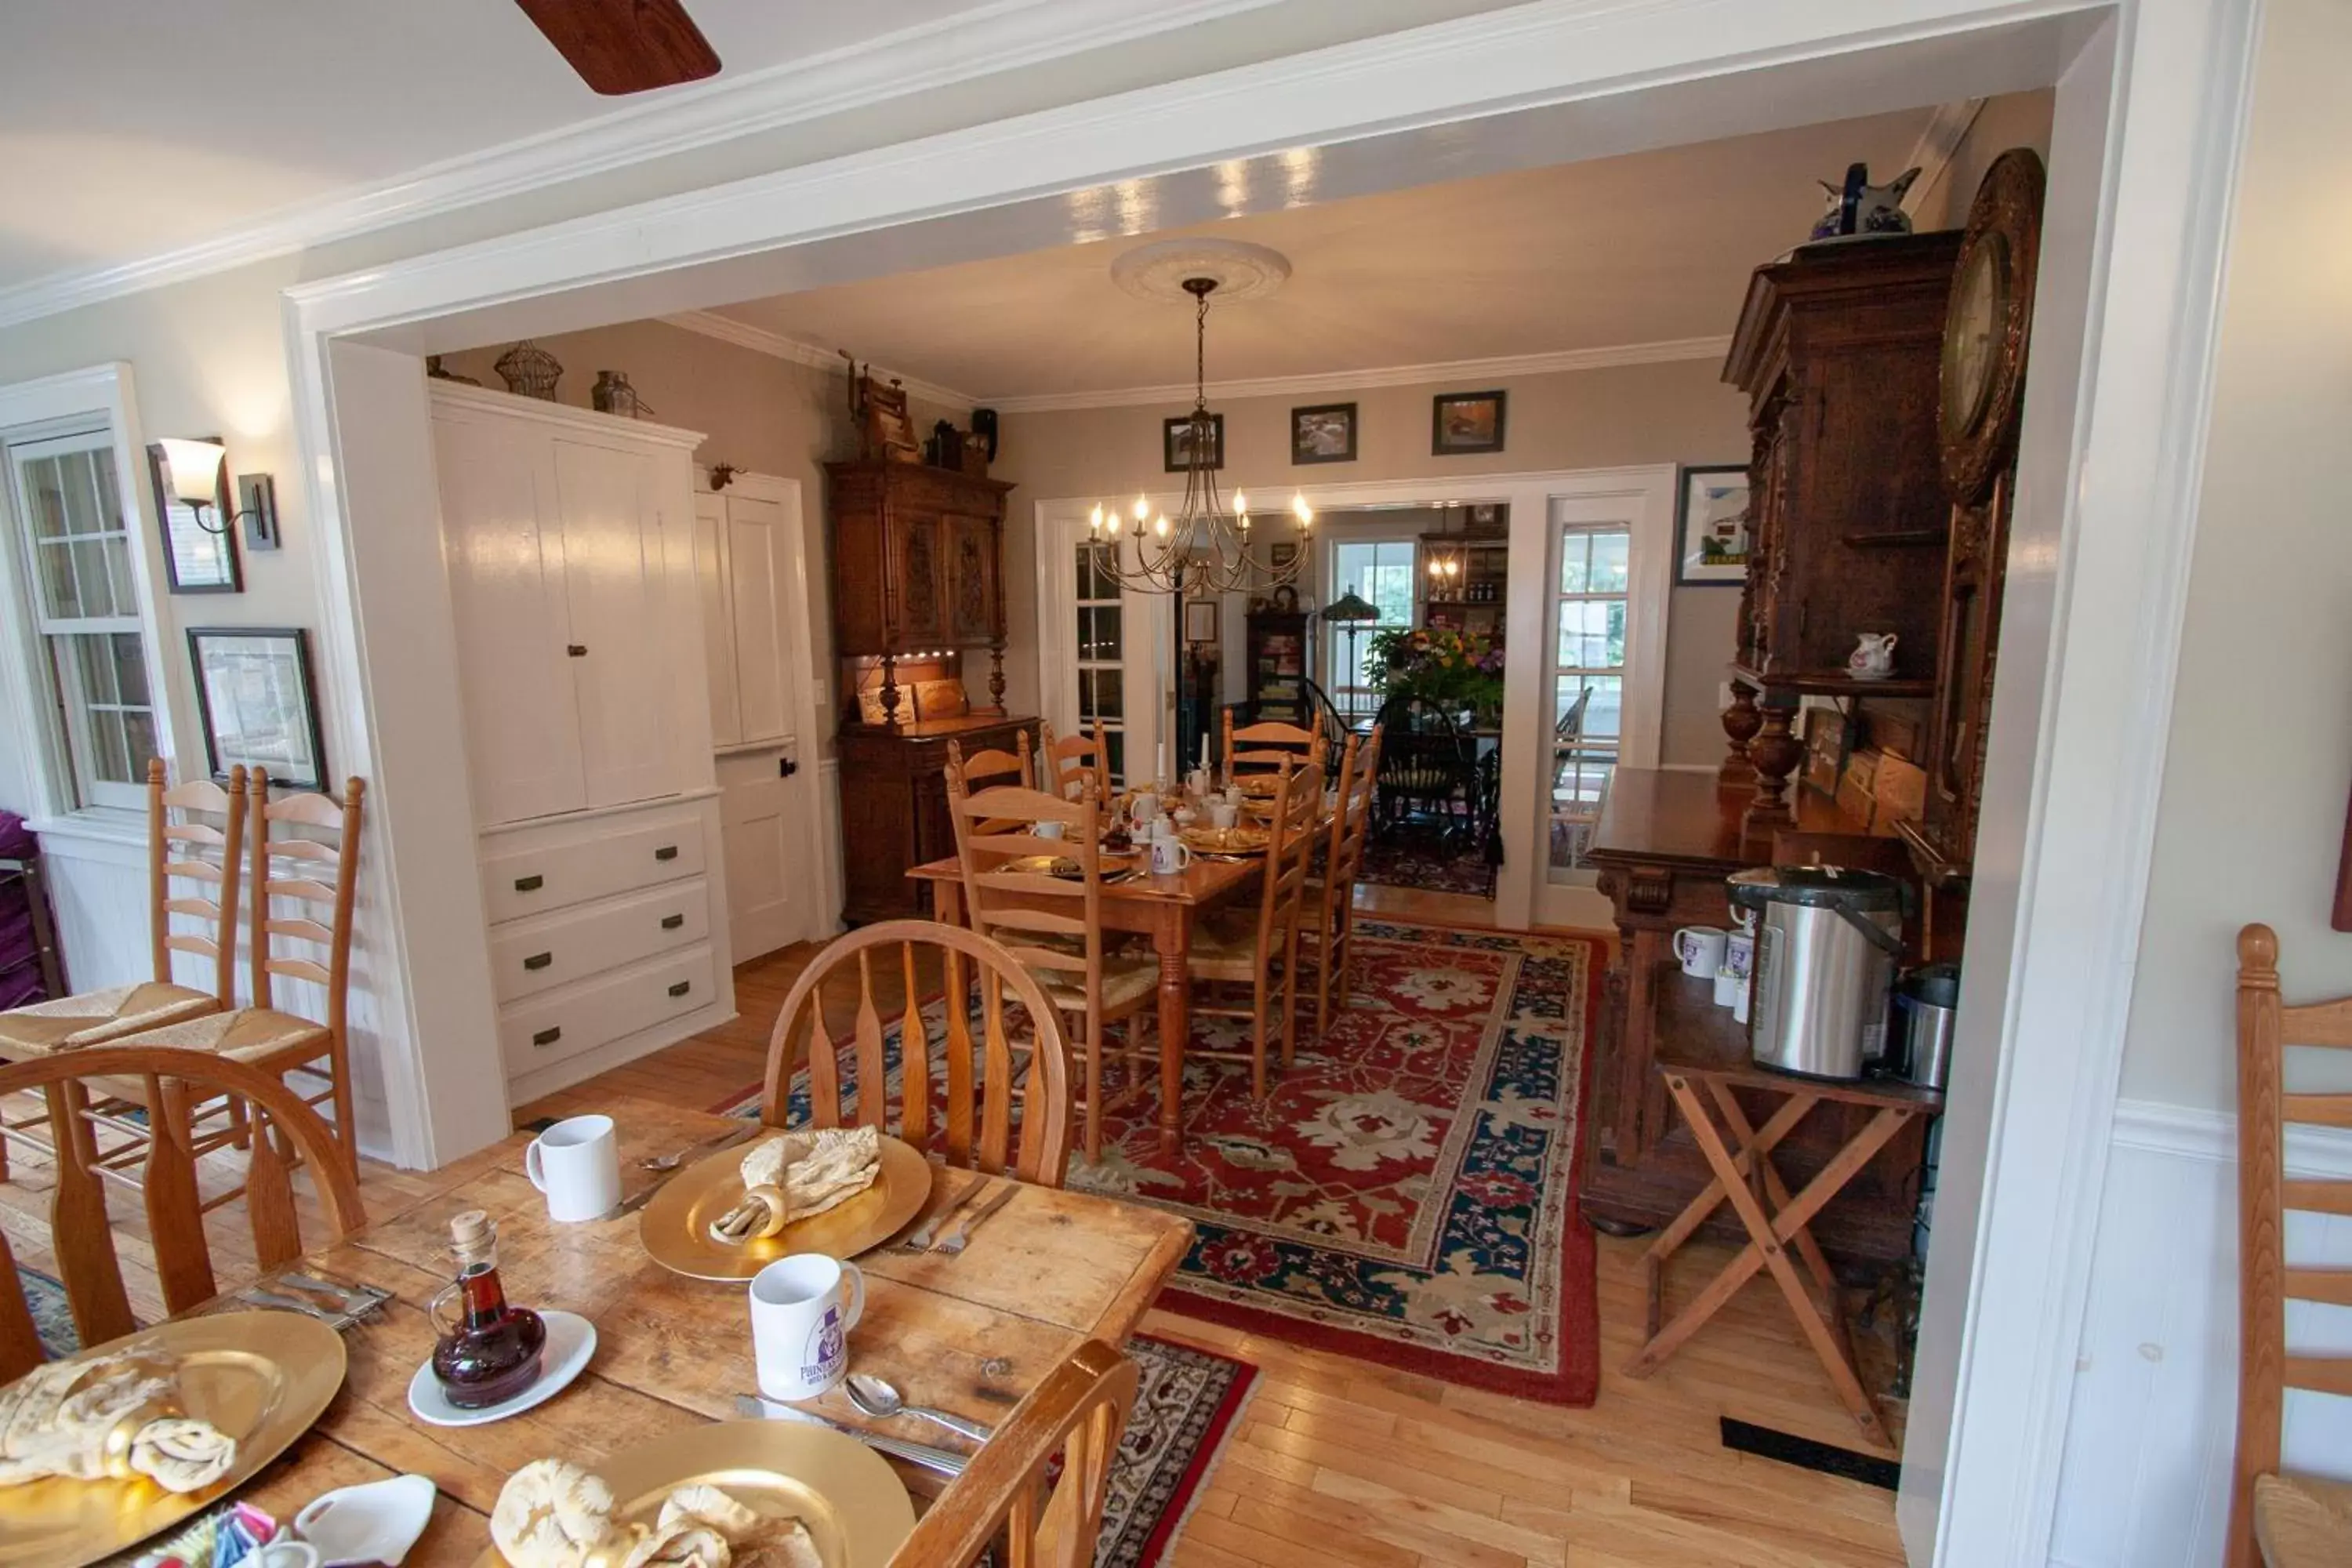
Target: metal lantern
529	371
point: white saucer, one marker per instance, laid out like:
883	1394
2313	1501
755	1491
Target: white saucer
353	1526
571	1340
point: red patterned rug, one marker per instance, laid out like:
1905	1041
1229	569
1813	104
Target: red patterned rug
1407	1195
1416	858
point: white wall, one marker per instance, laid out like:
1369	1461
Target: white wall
2252	817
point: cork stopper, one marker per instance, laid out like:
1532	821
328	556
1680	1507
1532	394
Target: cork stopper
472	1236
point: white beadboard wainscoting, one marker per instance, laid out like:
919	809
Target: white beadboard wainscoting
2146	1482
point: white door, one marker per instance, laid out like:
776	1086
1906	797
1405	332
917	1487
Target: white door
614	585
744	539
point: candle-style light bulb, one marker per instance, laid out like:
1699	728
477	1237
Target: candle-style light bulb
1305	513
1142	510
1241	502
1094	520
1160	526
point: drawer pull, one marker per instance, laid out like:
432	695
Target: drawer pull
531	884
666	852
538	961
547	1037
671	923
682	988
576	650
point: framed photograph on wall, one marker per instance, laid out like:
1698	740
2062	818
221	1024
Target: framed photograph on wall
1465	422
1711	532
257	703
1323	434
1176	436
197	560
1201	620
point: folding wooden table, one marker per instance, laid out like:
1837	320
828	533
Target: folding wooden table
1776	1221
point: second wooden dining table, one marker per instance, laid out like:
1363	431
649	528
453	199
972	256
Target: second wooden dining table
1163	907
970	1333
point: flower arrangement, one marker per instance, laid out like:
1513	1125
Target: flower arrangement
1437	665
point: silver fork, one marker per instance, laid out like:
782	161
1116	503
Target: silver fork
956	1243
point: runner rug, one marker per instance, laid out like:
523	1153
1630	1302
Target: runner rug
1407	1195
1187	1401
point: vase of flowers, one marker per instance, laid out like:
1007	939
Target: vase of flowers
1459	672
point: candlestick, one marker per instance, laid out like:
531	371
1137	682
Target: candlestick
1159	763
1204	749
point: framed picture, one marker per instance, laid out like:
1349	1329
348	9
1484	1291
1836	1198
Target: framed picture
258	706
1463	421
1323	434
195	559
1829	741
1711	533
1176	436
1201	620
1281	554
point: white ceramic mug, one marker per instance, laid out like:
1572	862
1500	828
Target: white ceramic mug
1740	953
1235	796
1169	855
1224	814
1147	806
803	1307
1197	783
1727	985
577	1164
1700	948
1049	829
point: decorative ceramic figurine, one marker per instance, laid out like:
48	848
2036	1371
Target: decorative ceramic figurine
1872	657
1860	207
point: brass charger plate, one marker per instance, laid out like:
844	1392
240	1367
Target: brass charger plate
1226	840
1061	865
1260	783
261	1377
675	1225
855	1509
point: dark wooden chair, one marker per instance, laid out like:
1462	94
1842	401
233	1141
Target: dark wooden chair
980	1095
283	1133
1428	766
1045	1517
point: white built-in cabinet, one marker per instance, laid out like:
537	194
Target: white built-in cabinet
736	547
569	539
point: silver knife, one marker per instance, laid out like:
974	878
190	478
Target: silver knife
942	1461
922	1240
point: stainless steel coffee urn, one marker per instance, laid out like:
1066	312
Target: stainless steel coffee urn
1827	942
1928	999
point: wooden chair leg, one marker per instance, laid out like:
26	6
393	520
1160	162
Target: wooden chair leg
240	1132
1323	978
1257	1039
1094	1087
1289	998
347	1131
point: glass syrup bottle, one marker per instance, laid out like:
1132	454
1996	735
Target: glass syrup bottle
487	1352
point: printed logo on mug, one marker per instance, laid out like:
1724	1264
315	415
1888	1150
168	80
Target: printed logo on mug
1700	948
577	1164
1169	855
803	1307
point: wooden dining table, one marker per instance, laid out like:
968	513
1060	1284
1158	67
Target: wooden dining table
1163	906
970	1333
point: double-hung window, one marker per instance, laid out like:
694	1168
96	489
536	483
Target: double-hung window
1102	660
76	544
1588	682
1381	569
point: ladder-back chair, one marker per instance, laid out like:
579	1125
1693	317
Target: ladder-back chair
974	1124
1047	1516
282	1130
2263	1502
1075	766
1328	918
1054	925
1261	748
1260	950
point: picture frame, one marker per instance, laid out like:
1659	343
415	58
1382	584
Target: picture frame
1829	742
258	703
1176	441
1461	422
195	559
1201	620
1711	536
1281	554
1323	433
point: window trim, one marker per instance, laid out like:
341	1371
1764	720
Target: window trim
81	400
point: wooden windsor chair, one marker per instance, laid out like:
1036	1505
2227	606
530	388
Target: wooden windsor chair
1045	1516
282	1132
974	1126
1260	951
2282	1519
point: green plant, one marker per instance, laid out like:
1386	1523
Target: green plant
1436	665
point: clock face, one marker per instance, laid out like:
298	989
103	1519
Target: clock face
1972	334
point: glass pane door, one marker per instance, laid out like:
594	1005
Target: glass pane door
1587	685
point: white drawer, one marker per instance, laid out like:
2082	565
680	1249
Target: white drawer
530	957
547	1029
632	854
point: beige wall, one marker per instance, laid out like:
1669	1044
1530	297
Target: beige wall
1673	412
2260	754
2016	119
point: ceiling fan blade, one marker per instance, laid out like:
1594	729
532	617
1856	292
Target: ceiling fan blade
626	46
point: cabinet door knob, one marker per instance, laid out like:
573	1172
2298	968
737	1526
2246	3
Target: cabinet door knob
538	961
666	852
577	649
547	1037
671	923
531	884
682	988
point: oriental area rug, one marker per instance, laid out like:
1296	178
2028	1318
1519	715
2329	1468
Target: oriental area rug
1407	1193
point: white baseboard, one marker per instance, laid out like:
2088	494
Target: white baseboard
2146	1476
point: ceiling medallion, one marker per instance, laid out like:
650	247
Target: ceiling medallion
1162	269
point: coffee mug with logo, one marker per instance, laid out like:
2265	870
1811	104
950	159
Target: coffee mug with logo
1700	948
1169	855
803	1307
577	1164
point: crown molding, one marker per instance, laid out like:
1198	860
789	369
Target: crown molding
1932	154
1004	37
1504	368
744	335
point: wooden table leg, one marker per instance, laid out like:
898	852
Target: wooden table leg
1172	937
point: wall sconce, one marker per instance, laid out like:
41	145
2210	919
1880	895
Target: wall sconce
194	468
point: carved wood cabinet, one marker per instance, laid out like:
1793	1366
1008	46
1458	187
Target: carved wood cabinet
917	564
894	807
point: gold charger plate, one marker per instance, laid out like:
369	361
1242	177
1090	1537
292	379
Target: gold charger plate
261	1377
1226	840
857	1511
675	1225
1063	866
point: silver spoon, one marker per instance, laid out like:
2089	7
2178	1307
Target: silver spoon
877	1399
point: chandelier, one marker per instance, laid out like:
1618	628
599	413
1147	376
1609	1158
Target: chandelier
1203	549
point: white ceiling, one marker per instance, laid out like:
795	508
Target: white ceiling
1647	249
129	127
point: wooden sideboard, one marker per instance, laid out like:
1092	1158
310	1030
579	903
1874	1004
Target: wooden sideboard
1664	843
893	805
